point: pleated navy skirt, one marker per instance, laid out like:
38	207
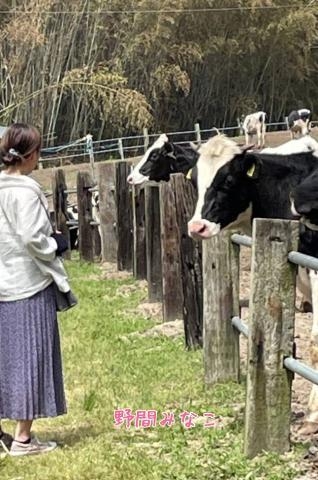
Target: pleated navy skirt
31	377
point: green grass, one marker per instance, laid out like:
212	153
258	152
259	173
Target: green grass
106	369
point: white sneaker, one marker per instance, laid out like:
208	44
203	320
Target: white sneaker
33	448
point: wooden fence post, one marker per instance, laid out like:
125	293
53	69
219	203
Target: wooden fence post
271	335
121	149
85	230
220	283
240	126
60	205
90	150
139	232
146	138
124	217
170	255
108	211
153	243
287	124
191	262
197	133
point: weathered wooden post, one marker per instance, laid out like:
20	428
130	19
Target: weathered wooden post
170	255
90	150
85	230
153	242
139	232
220	304
124	217
191	262
271	335
60	205
240	126
146	138
106	175
197	133
121	149
287	123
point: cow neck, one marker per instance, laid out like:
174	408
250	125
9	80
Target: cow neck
182	163
278	174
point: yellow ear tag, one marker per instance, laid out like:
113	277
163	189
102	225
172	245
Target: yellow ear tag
189	174
251	170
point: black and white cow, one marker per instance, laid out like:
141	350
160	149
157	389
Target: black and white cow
96	212
299	122
72	215
162	159
254	124
234	187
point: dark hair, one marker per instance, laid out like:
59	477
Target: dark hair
18	143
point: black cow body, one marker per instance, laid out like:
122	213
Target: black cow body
263	180
268	190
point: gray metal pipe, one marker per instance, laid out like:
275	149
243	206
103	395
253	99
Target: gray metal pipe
301	369
244	240
240	326
303	260
72	222
70	190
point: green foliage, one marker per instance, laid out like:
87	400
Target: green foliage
154	63
105	93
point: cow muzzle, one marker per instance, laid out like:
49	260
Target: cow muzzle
202	229
136	179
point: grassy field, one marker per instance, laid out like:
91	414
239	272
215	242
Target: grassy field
110	365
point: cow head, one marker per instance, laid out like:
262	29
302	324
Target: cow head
160	163
224	172
136	177
304	199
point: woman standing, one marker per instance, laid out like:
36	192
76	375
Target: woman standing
31	379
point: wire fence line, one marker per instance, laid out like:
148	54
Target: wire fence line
86	149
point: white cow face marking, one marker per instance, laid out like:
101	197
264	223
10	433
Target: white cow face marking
226	201
135	177
215	153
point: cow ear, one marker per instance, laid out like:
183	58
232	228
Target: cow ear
167	147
